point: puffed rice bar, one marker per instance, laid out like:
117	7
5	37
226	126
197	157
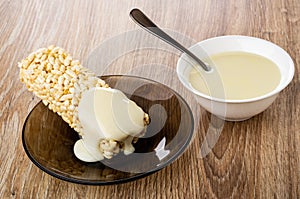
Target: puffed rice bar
52	75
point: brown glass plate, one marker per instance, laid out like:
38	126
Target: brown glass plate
48	140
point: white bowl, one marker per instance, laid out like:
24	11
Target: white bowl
237	110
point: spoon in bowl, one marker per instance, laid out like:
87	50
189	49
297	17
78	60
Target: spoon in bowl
141	19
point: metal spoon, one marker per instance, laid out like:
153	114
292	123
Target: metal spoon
140	18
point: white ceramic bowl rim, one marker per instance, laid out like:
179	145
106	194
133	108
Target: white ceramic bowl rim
279	88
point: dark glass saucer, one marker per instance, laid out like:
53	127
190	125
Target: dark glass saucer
48	140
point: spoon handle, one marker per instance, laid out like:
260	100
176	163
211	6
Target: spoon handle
140	18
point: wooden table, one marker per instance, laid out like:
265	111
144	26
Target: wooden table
257	158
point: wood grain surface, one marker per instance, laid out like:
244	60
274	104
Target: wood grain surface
257	158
